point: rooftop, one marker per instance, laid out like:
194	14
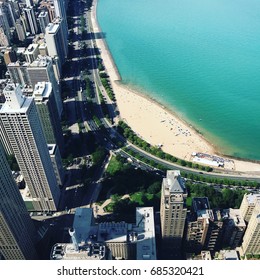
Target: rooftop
252	198
200	203
66	251
113	232
205	214
82	223
235	217
15	101
173	182
41	61
43	13
227	255
146	246
52	28
42	90
51	148
31	48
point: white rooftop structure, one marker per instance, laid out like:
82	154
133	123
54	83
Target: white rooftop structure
205	214
146	246
42	90
206	256
52	28
41	61
51	148
253	198
207	161
31	49
228	255
67	251
15	101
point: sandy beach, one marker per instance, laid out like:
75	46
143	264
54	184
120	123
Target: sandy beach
156	124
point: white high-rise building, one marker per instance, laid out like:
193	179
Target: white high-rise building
59	7
43	19
23	127
30	16
31	53
42	70
17	232
48	113
28	3
56	40
60	11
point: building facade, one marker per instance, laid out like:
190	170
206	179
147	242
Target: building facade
234	228
248	205
31	20
48	113
173	211
17	232
251	240
23	128
43	19
56	40
41	70
57	163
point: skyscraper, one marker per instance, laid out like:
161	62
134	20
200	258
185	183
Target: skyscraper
28	3
21	122
60	10
251	240
18	73
31	53
204	227
19	26
234	228
173	211
5	34
197	225
41	70
32	23
57	163
9	56
59	7
248	205
48	113
43	20
17	231
56	40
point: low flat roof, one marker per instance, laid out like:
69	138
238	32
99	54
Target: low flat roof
82	223
146	245
42	90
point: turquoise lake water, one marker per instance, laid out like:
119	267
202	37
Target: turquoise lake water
201	58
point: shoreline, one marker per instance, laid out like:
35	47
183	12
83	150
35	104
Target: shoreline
167	109
175	135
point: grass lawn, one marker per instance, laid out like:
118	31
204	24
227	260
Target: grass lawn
109	207
114	166
140	197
